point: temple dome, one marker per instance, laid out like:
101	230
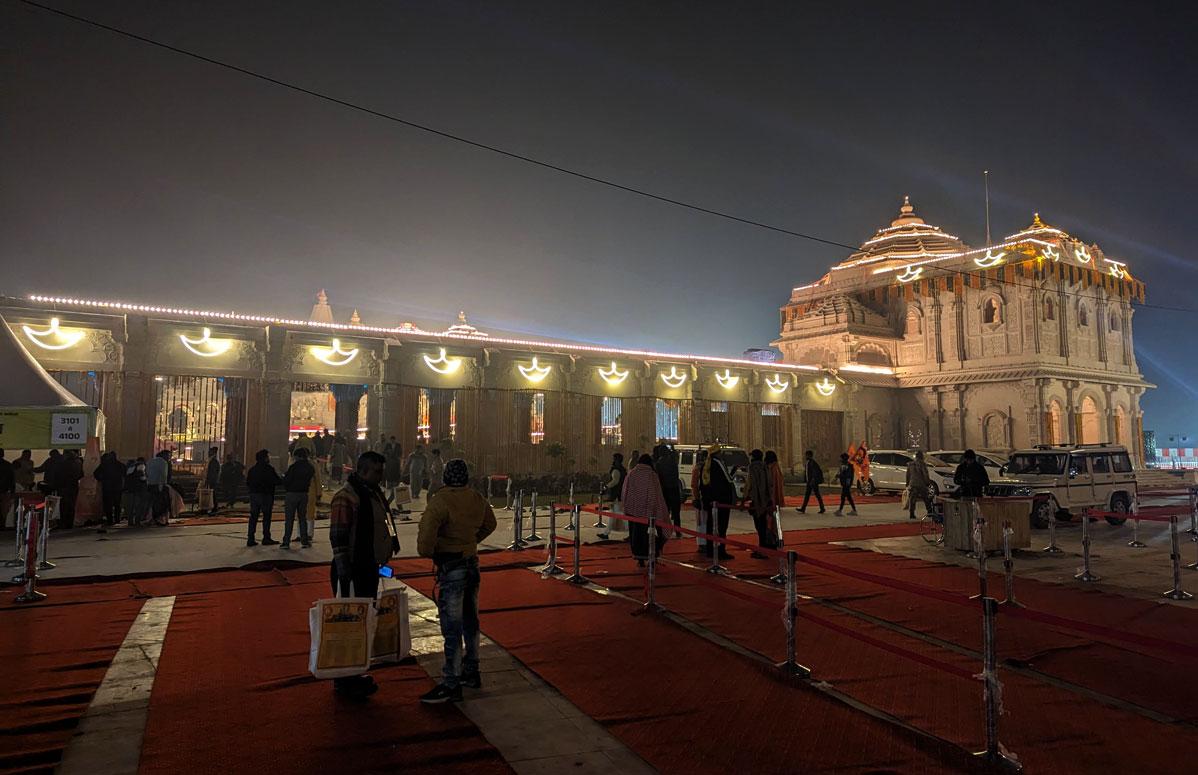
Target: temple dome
1038	229
908	238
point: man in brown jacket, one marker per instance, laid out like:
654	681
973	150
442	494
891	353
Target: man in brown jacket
456	519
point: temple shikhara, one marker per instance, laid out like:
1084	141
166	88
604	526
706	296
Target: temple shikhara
1027	341
914	340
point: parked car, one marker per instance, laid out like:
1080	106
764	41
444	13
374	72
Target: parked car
1064	479
735	458
995	463
888	471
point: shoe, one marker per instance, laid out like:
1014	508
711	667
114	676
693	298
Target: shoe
839	513
801	511
821	511
305	544
472	680
251	542
603	536
440	694
853	513
286	546
269	542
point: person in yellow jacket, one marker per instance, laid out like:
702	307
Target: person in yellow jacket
455	521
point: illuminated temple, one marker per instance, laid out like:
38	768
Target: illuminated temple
1028	341
916	339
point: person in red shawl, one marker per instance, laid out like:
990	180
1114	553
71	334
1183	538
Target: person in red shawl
643	498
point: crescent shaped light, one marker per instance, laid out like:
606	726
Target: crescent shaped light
777	383
728	380
442	364
66	341
989	260
613	376
533	373
335	356
910	273
219	347
1051	253
1082	254
1116	269
673	379
825	388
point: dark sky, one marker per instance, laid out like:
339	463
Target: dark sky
131	172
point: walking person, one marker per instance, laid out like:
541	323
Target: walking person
845	476
777	494
918	484
456	520
815	477
761	501
338	458
642	497
718	494
212	477
363	539
296	482
416	467
436	470
613	491
134	497
665	463
262	480
232	473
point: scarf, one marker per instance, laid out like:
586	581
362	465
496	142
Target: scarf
642	494
711	451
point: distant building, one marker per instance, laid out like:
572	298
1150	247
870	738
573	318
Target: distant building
1026	342
762	355
1150	453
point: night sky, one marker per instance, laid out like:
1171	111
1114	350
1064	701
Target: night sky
134	173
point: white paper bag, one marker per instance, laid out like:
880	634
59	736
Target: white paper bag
392	640
342	632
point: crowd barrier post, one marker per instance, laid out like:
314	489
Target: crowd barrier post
1052	547
715	546
1193	491
22	516
791	666
532	533
571	526
571	492
517	543
509	501
651	568
1008	566
1135	541
991	690
29	577
979	550
1085	574
52	513
780	576
1177	593
576	577
488	490
599	523
551	567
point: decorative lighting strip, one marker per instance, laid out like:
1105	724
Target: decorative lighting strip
219	347
335	356
69	340
909	273
1082	253
825	387
613	376
442	364
777	383
408	330
990	259
727	380
931	231
533	373
866	369
673	379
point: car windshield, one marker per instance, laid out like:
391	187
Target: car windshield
1046	463
990	460
951	458
734	458
938	460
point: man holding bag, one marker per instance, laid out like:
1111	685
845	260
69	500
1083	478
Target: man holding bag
456	519
363	539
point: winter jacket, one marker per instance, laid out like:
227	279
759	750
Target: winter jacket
454	522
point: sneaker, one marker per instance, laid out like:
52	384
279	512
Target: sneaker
305	544
853	513
471	680
822	511
286	546
603	536
269	542
801	511
442	693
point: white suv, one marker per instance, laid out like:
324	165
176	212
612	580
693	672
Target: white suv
1065	479
736	460
888	471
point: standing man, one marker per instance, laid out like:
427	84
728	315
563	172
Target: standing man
416	465
212	476
8	488
761	501
666	464
362	537
135	492
719	493
231	474
23	471
456	520
69	473
918	482
111	476
262	480
436	470
158	469
815	477
296	481
614	492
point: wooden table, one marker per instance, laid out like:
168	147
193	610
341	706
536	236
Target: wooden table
958	523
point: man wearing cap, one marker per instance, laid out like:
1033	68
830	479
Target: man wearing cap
456	519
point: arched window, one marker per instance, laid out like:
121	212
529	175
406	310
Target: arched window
1055	430
1083	315
1091	432
994	431
1050	308
992	311
871	355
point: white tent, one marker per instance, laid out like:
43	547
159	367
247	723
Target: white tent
35	411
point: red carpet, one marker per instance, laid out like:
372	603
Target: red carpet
52	660
233	695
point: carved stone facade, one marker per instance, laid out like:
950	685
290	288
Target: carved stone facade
1025	342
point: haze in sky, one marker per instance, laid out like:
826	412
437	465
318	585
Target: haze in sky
134	173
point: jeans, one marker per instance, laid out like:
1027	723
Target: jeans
846	491
295	506
137	503
457	605
111	505
812	489
261	503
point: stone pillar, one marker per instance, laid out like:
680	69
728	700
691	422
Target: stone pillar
1073	419
275	425
1109	398
1100	329
348	398
937	322
961	415
1137	427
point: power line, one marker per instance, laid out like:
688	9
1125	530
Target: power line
501	151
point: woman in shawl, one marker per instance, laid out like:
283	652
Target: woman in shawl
777	492
642	497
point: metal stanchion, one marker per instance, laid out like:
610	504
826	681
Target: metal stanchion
780	576
1177	593
571	502
576	577
1085	574
791	666
52	513
532	533
517	543
1052	547
992	691
599	511
508	498
716	546
1193	513
551	567
1135	541
651	568
1194	564
1008	566
29	577
21	520
979	549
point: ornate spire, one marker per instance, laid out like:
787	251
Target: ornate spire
355	319
321	311
906	214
